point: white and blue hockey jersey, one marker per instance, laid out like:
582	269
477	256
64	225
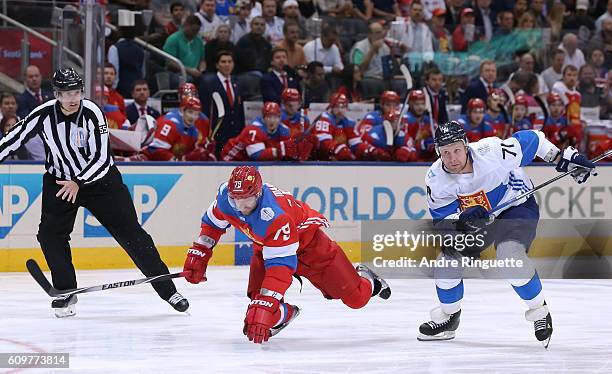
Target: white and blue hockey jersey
497	175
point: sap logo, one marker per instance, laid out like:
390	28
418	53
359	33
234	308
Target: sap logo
147	190
17	193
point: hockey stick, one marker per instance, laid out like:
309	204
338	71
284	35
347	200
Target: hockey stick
533	191
409	84
220	113
43	282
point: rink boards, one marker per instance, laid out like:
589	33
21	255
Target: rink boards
171	198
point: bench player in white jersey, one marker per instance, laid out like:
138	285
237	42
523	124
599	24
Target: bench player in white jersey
463	185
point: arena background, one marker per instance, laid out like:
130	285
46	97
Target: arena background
171	199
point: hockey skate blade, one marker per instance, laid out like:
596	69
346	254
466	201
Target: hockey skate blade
546	342
68	311
446	335
276	330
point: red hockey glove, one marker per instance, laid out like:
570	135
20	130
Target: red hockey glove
287	149
304	150
196	262
380	154
405	154
261	316
343	153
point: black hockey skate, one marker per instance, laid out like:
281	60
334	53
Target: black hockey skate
381	288
64	306
542	323
178	302
441	327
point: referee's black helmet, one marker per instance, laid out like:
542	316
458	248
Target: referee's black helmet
66	79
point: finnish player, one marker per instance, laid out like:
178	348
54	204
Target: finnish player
287	240
464	184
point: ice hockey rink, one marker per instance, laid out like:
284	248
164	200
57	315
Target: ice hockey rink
130	330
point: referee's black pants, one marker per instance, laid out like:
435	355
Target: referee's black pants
110	202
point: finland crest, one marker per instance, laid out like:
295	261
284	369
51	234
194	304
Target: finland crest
267	214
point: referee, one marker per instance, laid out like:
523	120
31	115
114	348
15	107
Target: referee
81	172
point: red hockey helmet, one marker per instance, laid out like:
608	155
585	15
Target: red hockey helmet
416	95
496	94
290	94
475	103
554	97
244	182
520	100
389	97
187	89
190	102
271	108
338	99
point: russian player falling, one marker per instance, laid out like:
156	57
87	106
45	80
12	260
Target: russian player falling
287	240
465	184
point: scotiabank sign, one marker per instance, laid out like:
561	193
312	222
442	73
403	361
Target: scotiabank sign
41	53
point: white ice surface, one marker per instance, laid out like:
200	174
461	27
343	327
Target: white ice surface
130	330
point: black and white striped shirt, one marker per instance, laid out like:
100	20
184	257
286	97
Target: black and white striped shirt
76	146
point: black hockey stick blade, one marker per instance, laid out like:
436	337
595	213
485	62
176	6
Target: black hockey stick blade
40	278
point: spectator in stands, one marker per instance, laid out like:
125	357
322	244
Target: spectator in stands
418	37
553	73
591	95
140	107
315	85
434	82
6	124
386	9
520	8
557	13
224	9
253	50
351	83
333	8
220	43
606	15
566	88
526	21
481	86
597	60
466	33
603	40
370	55
527	64
324	50
8	105
537	9
225	84
291	13
453	14
209	20
114	97
295	52
307	8
274	24
278	78
442	40
580	22
573	55
241	25
187	47
177	11
485	18
33	95
363	9
128	59
505	24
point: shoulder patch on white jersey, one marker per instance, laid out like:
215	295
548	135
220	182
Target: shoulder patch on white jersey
483	149
267	213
